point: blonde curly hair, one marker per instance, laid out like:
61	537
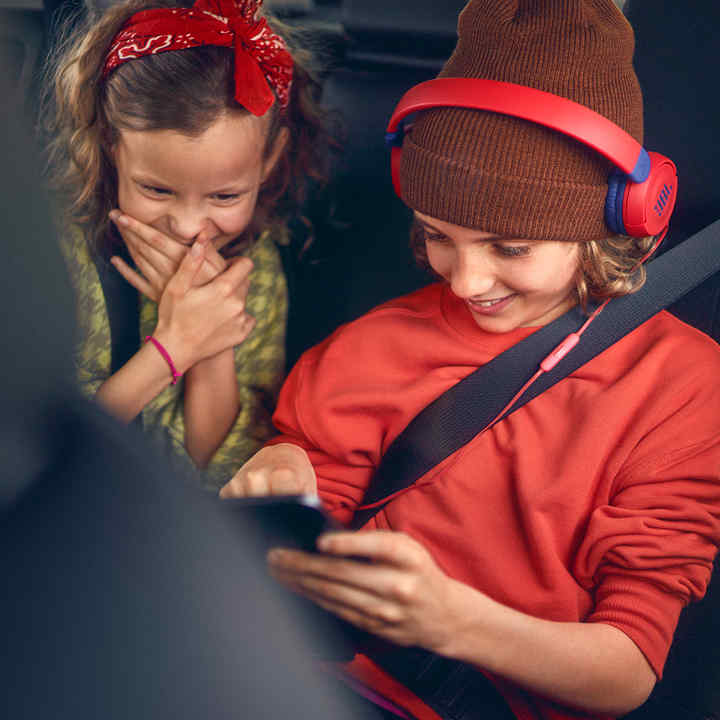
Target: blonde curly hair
185	91
611	267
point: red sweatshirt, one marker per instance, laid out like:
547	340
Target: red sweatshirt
598	501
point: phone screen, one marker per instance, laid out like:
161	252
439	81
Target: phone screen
293	521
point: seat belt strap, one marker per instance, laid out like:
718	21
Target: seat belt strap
123	309
122	301
455	691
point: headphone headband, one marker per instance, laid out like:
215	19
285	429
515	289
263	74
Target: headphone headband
538	106
640	198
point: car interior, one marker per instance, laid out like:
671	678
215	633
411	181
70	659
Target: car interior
371	52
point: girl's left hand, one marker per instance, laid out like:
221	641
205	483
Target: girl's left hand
400	595
158	257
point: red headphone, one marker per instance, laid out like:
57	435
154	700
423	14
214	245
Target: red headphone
641	191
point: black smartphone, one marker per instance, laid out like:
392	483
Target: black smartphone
293	521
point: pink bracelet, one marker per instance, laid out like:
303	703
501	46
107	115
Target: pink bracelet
168	359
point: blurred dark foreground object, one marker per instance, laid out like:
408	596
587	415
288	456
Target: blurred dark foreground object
126	593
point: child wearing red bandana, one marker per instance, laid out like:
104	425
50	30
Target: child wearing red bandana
181	139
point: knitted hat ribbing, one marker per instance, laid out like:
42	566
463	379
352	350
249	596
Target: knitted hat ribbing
508	176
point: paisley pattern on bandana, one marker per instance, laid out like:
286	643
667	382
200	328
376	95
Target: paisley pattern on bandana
262	61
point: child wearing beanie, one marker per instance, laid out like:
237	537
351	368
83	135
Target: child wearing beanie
555	551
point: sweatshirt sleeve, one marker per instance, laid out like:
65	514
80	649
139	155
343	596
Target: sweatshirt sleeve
341	439
650	550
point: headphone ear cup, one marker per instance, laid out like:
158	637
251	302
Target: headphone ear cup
647	206
614	202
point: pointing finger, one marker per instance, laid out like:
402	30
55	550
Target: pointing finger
182	280
212	256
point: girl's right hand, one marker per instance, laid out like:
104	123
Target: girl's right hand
197	322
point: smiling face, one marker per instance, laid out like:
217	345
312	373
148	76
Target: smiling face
184	185
506	284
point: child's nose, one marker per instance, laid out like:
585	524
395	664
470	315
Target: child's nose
471	276
186	223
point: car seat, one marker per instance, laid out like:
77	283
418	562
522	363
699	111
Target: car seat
676	61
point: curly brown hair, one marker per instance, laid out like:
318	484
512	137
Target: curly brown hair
184	91
611	267
607	268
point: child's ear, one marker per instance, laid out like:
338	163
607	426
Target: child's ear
276	151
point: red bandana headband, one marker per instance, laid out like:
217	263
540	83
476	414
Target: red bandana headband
261	57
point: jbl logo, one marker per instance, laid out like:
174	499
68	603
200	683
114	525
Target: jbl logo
662	199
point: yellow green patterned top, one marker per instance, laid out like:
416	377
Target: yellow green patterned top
259	360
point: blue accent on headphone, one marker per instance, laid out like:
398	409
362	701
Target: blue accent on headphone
662	200
641	171
614	201
395	139
617	182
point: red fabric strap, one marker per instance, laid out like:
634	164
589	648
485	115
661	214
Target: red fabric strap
262	61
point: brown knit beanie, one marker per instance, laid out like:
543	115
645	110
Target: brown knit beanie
508	176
